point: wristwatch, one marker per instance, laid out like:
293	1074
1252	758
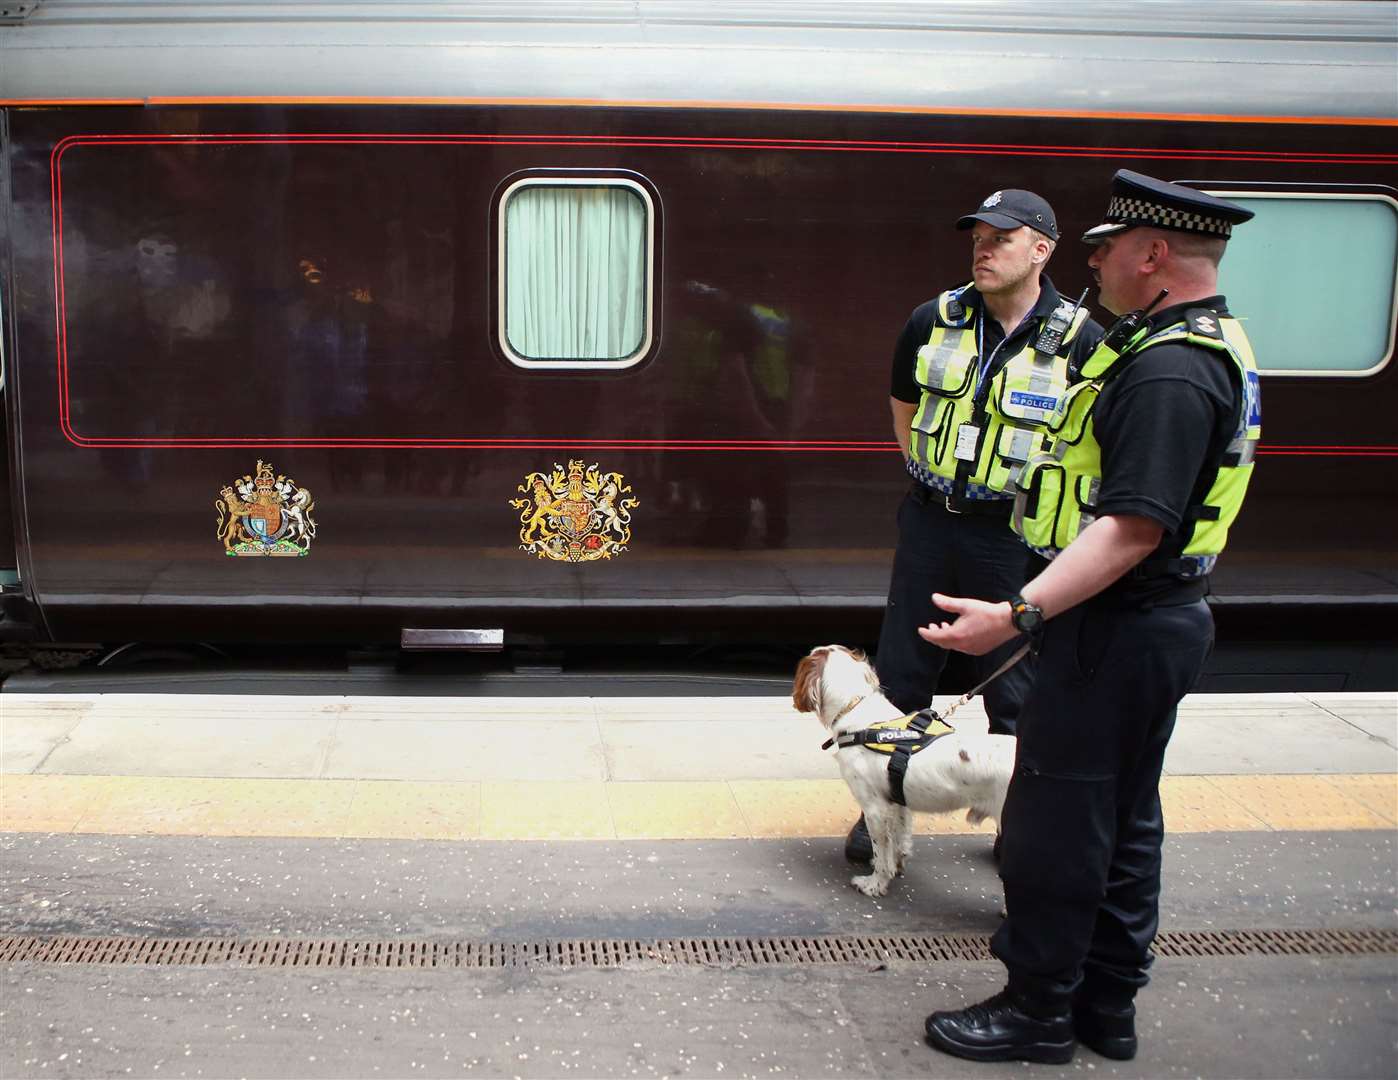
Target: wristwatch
1027	618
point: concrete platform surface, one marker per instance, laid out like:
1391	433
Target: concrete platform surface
598	738
602	768
1276	1016
600	819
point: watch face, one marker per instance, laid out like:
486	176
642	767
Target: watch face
1028	619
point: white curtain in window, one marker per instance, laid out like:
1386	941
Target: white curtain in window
575	272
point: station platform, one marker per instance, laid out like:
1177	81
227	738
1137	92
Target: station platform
264	885
591	768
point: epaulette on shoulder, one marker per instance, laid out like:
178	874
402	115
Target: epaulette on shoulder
1203	322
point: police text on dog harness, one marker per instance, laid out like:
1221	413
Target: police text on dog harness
900	739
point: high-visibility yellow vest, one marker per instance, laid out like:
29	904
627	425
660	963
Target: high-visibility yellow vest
1010	414
1057	490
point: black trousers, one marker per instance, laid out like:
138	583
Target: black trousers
1082	822
959	555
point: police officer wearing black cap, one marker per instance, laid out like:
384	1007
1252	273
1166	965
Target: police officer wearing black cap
977	372
1148	462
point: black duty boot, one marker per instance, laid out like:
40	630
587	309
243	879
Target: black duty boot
998	1029
1110	1029
859	848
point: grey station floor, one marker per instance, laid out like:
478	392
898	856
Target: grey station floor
650	821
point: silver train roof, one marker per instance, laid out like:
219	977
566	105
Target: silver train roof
1225	57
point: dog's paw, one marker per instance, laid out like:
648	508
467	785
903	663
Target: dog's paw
870	885
974	816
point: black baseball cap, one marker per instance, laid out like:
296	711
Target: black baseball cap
1011	208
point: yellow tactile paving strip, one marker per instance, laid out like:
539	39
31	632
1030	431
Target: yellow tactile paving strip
598	810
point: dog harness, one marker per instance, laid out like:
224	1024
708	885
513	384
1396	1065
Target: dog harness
900	739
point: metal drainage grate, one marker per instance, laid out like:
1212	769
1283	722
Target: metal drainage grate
681	952
1277	943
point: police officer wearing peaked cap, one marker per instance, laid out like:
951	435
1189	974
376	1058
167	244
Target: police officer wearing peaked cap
1160	435
976	373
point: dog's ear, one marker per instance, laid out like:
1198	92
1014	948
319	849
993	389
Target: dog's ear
805	690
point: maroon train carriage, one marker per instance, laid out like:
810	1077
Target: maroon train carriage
572	323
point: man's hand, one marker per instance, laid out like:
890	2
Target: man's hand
1105	550
979	626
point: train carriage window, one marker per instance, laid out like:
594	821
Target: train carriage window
576	259
1302	258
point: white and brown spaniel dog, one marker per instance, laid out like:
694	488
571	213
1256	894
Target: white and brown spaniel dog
956	771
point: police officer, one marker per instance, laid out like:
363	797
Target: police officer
1149	460
976	374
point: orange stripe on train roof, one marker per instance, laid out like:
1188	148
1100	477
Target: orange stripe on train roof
918	110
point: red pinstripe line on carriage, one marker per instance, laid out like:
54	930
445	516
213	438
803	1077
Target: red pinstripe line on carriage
256	138
640	445
724	142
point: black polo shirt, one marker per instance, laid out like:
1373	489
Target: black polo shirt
918	329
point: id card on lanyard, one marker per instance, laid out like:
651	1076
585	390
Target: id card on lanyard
968	436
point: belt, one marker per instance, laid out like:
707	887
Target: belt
1000	509
1184	567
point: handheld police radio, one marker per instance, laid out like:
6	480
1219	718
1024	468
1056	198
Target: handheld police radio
1119	335
1050	338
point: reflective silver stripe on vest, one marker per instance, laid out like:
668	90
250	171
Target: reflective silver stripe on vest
1017	514
1040	383
936	365
1241	451
1087	514
1021	446
1022	440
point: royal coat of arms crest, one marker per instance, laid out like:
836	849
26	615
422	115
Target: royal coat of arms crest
576	515
265	513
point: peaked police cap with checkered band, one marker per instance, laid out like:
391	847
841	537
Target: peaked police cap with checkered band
1138	199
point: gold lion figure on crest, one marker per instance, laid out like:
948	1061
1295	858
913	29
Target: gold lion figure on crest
575	515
